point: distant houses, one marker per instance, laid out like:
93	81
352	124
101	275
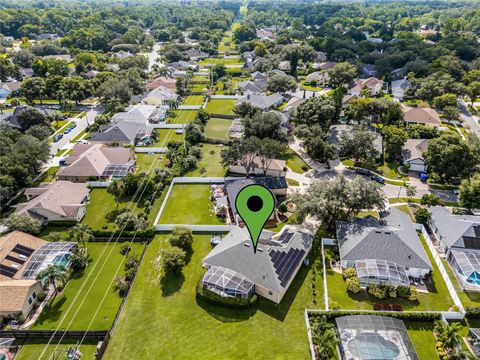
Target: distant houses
399	87
372	85
57	201
274	167
235	270
261	101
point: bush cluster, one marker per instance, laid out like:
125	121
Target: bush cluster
384	292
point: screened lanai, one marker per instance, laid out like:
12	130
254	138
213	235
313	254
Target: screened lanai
466	264
227	282
370	337
375	271
52	253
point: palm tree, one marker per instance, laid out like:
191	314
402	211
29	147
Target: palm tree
52	273
325	339
116	189
81	233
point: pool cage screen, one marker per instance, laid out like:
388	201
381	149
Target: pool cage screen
370	337
381	272
227	283
53	253
466	264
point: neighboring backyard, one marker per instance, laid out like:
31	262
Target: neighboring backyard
96	281
193	100
220	106
217	129
162	317
210	163
32	349
182	117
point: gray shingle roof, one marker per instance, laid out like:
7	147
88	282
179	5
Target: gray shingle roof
392	239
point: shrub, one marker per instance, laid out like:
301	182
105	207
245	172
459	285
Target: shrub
181	237
121	285
422	216
379	292
402	291
349	273
392	292
173	259
431	199
353	284
125	249
412	294
282	208
41	296
131	262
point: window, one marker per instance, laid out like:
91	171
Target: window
34	295
270	293
29	301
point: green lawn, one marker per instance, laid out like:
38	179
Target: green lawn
58	125
217	129
193	100
144	161
438	297
190	204
295	162
220	106
47	176
226	61
182	117
199	78
59	314
164	136
390	170
102	207
210	163
163	318
421	334
33	348
80	135
197	87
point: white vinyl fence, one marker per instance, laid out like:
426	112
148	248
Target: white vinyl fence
156	150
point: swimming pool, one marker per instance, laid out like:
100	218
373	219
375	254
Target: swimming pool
372	347
61	260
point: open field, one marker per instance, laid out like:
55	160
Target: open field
58	314
193	100
192	328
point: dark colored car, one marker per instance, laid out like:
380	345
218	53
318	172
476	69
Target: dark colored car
57	137
365	172
423	176
377	179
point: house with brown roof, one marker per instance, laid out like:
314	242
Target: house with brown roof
423	116
89	161
412	154
166	82
18	296
276	167
57	201
16	248
372	84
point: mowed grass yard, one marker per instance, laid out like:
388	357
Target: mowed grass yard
193	100
95	279
220	106
295	162
210	163
189	204
32	349
182	117
163	319
438	297
236	61
217	129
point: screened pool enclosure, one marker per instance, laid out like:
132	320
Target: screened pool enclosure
381	272
226	282
466	264
52	253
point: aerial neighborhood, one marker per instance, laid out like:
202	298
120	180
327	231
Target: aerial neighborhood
130	130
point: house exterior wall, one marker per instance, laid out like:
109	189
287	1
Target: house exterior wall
237	169
26	308
51	216
268	294
416	165
110	142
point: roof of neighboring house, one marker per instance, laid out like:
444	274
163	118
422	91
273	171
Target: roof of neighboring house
136	113
162	81
182	65
263	267
123	54
92	73
414	149
293	103
60	197
93	159
12	118
15	250
163	94
335	132
64	57
401	84
261	101
326	65
453	230
11	85
318	76
252	86
275	164
284	65
257	75
13	294
196	53
421	115
321	56
265	34
369	83
122	131
26	72
392	239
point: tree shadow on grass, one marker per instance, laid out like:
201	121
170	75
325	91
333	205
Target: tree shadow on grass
52	312
224	313
171	283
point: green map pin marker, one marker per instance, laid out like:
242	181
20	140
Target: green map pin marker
255	203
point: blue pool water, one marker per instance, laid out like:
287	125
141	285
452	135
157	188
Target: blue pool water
372	347
61	260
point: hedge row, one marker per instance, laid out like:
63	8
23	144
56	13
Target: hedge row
409	316
143	235
226	301
473	312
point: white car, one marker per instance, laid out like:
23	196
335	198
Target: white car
83	142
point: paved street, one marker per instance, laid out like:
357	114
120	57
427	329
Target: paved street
468	119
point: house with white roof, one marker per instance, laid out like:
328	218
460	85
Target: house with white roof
261	101
399	87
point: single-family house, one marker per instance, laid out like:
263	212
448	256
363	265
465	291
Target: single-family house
18	296
321	56
160	96
275	167
140	113
423	116
336	132
183	65
399	87
320	78
372	85
261	101
255	86
11	119
369	70
459	238
386	251
122	133
248	56
6	88
196	54
123	54
284	65
162	81
293	103
412	154
258	76
235	270
57	201
26	72
91	74
98	161
325	65
265	34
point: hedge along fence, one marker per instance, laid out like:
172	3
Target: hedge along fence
127	235
222	116
405	315
56	334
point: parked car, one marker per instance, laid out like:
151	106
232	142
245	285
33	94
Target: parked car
378	179
73	126
82	141
423	176
365	172
62	162
57	137
67	130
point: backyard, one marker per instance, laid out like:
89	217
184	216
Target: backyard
164	136
236	61
295	162
220	106
193	100
182	117
31	349
193	328
189	204
467	298
210	163
217	129
61	311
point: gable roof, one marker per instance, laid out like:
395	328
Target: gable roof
163	94
235	252
453	228
401	84
138	113
414	149
293	103
257	86
123	131
261	101
93	159
63	198
162	81
257	75
421	115
393	239
318	76
369	83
